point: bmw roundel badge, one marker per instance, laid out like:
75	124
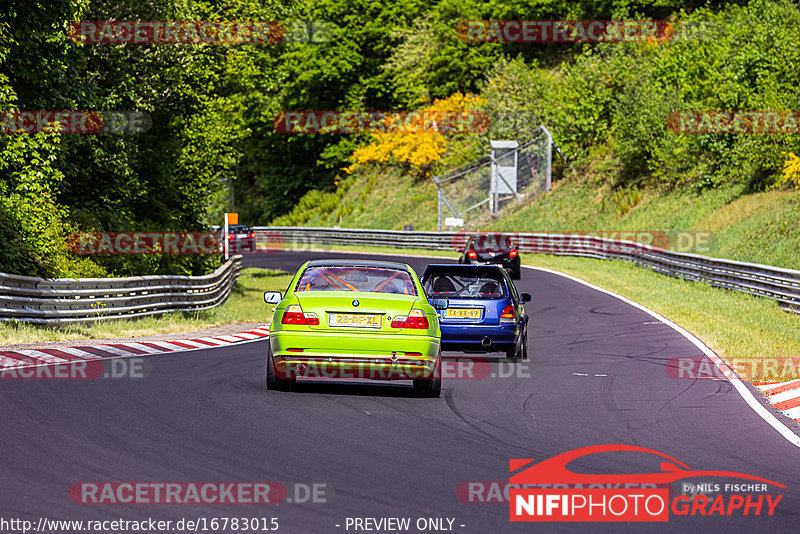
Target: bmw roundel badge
356	303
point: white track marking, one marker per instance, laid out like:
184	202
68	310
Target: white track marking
248	335
143	348
115	350
770	387
41	356
743	391
229	339
80	353
209	340
786	395
186	342
165	345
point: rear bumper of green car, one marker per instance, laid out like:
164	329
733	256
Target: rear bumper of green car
341	355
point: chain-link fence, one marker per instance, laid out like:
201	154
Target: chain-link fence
512	172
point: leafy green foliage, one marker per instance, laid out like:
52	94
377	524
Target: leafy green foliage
213	146
161	180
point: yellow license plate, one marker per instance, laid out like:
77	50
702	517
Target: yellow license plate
355	319
463	313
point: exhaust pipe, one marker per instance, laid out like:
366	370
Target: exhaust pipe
486	342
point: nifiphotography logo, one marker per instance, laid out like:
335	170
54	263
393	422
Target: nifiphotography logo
549	491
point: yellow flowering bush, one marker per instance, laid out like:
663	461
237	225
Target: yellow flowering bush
417	147
791	170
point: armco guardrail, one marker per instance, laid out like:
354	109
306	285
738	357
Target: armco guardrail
65	300
782	285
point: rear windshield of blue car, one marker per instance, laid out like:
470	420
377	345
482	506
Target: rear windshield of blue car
370	279
465	285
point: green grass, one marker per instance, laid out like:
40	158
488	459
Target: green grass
752	334
246	305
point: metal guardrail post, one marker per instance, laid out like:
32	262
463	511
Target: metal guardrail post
549	156
439	205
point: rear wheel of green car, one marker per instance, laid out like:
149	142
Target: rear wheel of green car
432	386
273	382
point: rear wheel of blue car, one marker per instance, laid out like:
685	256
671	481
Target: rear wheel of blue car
431	386
520	348
525	343
273	382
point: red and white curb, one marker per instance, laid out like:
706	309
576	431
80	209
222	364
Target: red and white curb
35	357
784	396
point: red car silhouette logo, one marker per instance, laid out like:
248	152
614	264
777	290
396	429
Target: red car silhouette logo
554	470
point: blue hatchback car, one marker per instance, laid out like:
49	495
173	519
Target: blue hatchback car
485	312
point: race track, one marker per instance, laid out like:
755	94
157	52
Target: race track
596	376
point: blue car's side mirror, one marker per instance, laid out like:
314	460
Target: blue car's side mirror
527	297
440	304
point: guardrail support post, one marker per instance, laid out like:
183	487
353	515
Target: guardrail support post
549	156
439	199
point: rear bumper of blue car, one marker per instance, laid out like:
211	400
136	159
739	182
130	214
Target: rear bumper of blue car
473	337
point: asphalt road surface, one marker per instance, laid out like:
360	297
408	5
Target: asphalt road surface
596	375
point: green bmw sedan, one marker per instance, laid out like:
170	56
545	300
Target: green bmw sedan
355	319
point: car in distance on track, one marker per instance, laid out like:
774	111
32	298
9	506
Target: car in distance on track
355	319
485	313
240	238
489	249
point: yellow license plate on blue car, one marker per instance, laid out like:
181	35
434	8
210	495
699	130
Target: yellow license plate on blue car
463	313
